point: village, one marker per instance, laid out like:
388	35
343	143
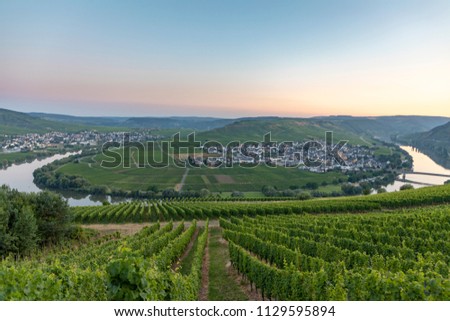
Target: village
293	154
60	140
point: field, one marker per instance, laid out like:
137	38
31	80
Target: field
392	246
216	180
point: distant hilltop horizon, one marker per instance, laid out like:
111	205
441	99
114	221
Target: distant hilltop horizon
43	114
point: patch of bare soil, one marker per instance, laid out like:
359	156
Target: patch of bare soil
132	228
224	179
124	229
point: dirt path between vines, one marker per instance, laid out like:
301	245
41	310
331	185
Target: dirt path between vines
179	186
188	249
132	228
253	294
203	293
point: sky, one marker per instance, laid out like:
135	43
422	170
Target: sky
226	58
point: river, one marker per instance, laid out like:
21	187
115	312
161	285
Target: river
421	163
20	177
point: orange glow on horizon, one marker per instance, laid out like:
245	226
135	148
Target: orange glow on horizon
414	88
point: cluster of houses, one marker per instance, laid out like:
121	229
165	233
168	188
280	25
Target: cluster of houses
59	140
30	142
304	155
52	140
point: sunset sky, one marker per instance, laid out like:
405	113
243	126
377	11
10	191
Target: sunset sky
226	58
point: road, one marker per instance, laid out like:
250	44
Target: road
180	185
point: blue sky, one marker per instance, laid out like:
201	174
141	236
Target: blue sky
225	58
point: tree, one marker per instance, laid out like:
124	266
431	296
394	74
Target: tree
169	193
52	215
153	188
237	194
204	192
28	220
25	230
269	191
100	190
304	196
312	185
6	239
406	187
288	193
349	189
381	190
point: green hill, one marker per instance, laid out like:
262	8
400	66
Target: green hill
13	123
82	120
282	129
194	123
387	128
435	143
440	134
358	130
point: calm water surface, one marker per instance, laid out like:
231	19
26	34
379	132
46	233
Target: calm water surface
421	163
20	177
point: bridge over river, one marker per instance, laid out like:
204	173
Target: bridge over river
428	174
404	179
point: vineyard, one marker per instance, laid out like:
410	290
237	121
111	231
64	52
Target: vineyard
137	267
392	246
403	256
188	209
